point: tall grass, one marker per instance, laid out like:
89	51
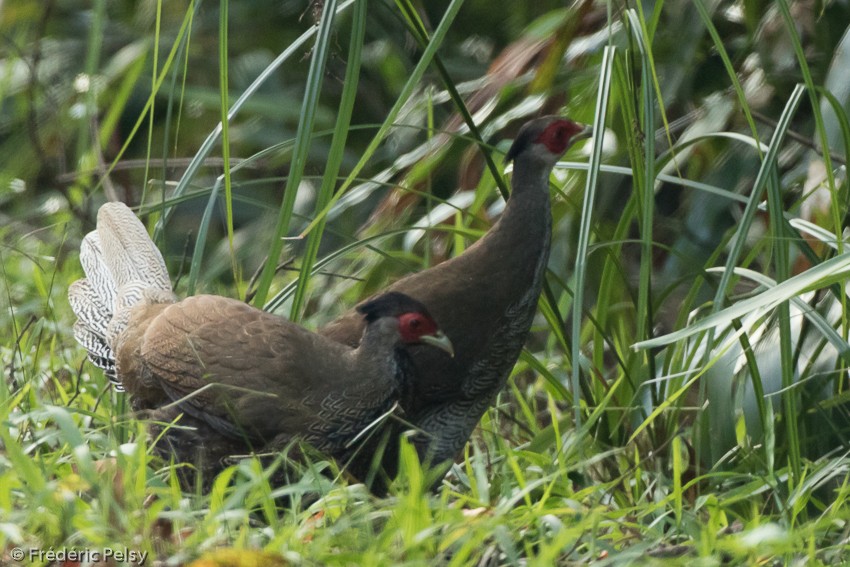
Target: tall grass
683	393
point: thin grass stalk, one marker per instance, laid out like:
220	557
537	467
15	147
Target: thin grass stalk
633	410
303	138
335	155
286	292
559	327
556	328
748	215
459	242
678	470
612	267
765	417
201	240
151	114
93	52
730	69
826	273
149	104
837	211
599	121
416	74
182	53
782	267
223	89
844	124
194	6
791	27
417	28
648	73
118	103
293	49
646	199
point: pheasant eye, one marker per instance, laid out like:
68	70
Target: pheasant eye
557	136
414	325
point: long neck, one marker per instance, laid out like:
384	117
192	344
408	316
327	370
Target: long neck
528	211
530	174
531	186
376	359
523	233
524	228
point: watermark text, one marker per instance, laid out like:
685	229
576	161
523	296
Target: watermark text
83	555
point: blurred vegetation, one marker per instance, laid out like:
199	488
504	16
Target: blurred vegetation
710	333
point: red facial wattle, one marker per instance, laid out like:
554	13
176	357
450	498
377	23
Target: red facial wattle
413	326
558	135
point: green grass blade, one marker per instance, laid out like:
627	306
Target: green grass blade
407	90
335	154
782	267
727	64
599	121
159	79
224	87
646	190
206	148
834	270
416	26
318	61
201	240
154	69
93	53
791	27
766	170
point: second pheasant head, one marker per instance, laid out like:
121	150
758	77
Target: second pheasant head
400	313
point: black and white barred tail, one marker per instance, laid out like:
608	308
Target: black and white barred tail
123	268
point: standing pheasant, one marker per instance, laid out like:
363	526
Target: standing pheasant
245	379
485	299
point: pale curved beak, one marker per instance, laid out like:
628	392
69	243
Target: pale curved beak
584	133
439	340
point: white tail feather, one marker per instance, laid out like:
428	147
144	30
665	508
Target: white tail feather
128	250
123	268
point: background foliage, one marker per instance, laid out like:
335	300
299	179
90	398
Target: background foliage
695	292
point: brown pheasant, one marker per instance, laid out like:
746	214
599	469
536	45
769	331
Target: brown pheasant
245	379
485	299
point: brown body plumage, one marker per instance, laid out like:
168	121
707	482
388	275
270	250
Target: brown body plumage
485	300
246	380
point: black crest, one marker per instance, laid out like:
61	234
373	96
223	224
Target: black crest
524	138
390	304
